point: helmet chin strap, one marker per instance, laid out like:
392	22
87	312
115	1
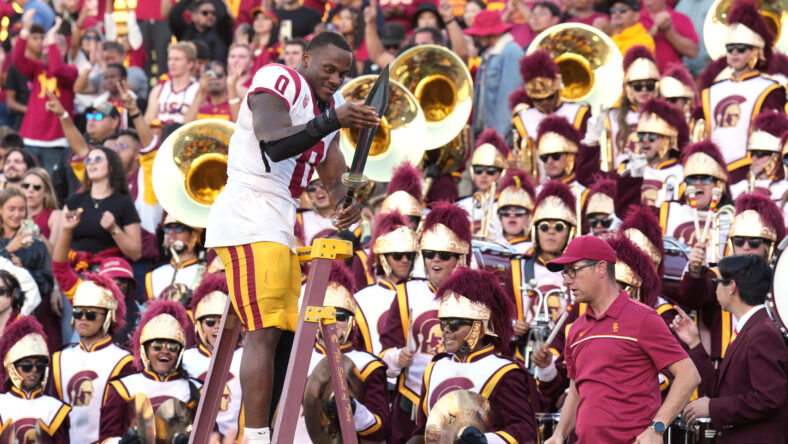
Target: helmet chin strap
471	340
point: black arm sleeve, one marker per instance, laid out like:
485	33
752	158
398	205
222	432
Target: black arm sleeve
297	143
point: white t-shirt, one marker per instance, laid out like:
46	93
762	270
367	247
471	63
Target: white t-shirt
259	205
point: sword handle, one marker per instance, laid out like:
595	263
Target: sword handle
349	198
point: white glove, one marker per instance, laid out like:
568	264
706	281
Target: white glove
594	128
637	163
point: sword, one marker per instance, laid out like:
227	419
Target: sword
378	97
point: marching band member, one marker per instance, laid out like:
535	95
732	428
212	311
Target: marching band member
371	412
677	87
489	159
758	226
475	318
411	334
161	337
736	91
745	396
394	249
404	194
80	372
558	144
319	217
184	271
599	211
767	174
23	375
207	304
515	209
539	98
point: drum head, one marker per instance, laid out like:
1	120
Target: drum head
778	299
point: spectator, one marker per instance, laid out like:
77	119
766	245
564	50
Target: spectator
212	22
498	75
41	204
103	121
84	51
696	11
43	136
11	298
516	13
115	54
169	100
15	164
351	27
42	12
673	33
393	37
17	86
8	142
156	34
582	11
303	19
473	7
239	64
628	31
427	16
203	55
216	98
294	51
18	240
112	80
403	12
243	34
265	40
108	219
131	49
543	15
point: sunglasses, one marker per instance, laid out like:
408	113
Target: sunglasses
444	255
398	256
158	346
571	273
97	159
649	86
606	221
4	291
674	100
621	9
490	171
648	136
387	47
95	116
753	242
178	229
454	324
94	38
549	98
120	146
718	281
313	187
512	212
741	48
545	226
698	178
27	366
207	12
756	154
555	156
89	315
210	322
26	186
342	316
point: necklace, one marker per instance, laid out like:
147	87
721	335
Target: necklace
96	203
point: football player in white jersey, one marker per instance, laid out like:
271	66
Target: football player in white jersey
286	130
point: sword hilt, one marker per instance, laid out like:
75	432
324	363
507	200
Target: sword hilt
352	181
351	193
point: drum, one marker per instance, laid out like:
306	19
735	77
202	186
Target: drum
777	304
675	260
545	425
493	256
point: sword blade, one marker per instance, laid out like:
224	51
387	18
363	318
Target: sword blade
378	98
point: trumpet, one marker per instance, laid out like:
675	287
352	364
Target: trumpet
670	188
717	226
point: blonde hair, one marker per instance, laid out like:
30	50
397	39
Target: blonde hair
50	200
187	48
6	195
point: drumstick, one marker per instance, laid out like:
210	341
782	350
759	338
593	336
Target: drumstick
691	192
559	324
716	194
529	301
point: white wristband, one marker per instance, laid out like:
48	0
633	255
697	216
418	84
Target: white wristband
234	101
64	115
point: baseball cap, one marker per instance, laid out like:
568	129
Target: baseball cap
116	267
105	108
584	247
634	4
392	34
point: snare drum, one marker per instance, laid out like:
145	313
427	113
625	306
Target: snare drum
493	256
545	425
675	260
778	298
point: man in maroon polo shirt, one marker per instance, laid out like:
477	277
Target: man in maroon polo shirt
613	353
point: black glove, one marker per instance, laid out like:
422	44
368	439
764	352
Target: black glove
180	438
332	406
130	437
471	435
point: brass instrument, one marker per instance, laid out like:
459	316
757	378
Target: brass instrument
670	188
775	12
8	432
453	412
448	158
140	418
716	229
699	131
606	156
173	421
321	426
443	88
590	63
488	211
397	138
190	169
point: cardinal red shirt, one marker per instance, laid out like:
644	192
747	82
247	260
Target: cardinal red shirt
614	360
664	52
209	110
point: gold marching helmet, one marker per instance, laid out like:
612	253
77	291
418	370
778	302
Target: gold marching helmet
447	228
767	130
589	61
757	216
22	338
209	299
404	193
162	320
717	33
339	294
557	135
190	169
90	294
555	202
704	158
491	150
391	234
600	203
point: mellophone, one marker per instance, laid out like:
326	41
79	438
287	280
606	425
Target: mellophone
679	432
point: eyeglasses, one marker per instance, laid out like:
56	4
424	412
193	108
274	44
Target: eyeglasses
158	346
549	98
512	212
756	154
342	316
620	9
545	226
571	273
650	136
454	324
26	185
741	48
444	255
398	256
699	178
606	221
178	229
313	187
95	116
207	12
753	242
92	37
210	321
89	315
649	85
28	366
490	171
718	281
555	156
97	159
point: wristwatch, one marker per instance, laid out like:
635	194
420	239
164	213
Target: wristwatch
658	427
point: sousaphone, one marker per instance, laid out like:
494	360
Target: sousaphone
715	26
190	169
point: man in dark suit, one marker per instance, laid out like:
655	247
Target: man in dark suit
746	396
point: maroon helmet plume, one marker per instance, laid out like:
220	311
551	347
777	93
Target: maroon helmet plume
454	218
680	73
517	97
210	283
558	189
538	64
707	147
642	218
526	183
641	264
747	13
341	275
157	307
771	122
637	52
384	224
491	136
482	287
558	125
405	178
13	332
667	112
766	208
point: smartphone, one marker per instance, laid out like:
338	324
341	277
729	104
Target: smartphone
286	30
